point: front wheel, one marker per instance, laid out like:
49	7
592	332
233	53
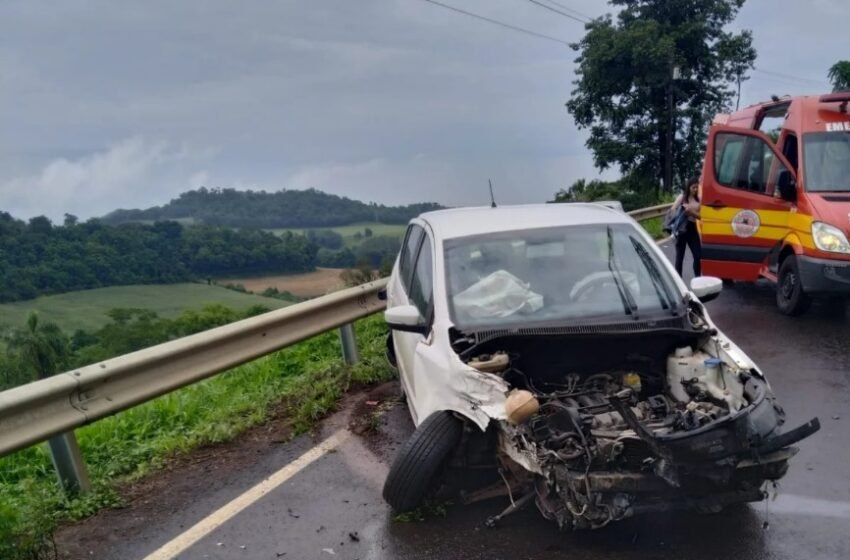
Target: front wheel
415	472
790	297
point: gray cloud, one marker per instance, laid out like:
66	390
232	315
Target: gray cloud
113	104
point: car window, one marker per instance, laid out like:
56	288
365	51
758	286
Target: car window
555	274
727	151
422	284
826	158
742	162
408	254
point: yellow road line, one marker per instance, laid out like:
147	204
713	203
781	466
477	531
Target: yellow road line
207	525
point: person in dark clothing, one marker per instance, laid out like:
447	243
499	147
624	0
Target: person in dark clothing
688	236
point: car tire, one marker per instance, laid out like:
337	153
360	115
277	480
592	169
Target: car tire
416	469
790	297
728	283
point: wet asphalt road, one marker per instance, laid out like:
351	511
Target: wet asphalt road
807	360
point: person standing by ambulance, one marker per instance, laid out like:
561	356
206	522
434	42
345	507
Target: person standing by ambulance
686	234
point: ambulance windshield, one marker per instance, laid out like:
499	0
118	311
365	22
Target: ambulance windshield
827	160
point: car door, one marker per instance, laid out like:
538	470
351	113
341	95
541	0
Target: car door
412	284
421	295
742	216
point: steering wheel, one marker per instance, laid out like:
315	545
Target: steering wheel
599	282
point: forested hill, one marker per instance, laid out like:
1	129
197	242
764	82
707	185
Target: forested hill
38	258
261	209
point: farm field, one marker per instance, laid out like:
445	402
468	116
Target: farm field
86	309
348	232
308	285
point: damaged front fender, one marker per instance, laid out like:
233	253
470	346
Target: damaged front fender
441	381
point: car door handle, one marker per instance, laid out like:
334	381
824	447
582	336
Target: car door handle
715	204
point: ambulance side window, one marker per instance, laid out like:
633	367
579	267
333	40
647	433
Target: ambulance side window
742	162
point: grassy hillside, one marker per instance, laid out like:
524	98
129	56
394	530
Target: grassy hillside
348	232
86	309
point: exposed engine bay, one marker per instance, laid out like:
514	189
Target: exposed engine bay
602	428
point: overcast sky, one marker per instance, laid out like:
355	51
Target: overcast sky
107	104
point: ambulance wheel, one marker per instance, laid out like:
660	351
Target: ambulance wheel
790	297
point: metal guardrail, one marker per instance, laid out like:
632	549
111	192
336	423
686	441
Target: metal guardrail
52	408
34	412
650	212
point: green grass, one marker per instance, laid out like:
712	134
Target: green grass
653	227
348	232
86	309
309	378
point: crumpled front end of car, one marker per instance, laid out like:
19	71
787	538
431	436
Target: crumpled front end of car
600	428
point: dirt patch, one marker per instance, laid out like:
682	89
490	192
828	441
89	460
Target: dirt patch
309	285
381	419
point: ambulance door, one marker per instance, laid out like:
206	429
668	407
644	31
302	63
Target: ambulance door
743	215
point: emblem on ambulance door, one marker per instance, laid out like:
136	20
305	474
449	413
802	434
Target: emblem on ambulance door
745	223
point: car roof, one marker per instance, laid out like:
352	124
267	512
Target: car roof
463	222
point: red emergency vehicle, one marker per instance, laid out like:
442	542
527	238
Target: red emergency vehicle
780	211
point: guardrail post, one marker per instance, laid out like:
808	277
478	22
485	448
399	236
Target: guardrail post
349	344
68	462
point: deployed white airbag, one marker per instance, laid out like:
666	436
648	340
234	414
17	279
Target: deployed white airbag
499	294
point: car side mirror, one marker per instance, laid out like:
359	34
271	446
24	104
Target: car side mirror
406	318
787	186
706	288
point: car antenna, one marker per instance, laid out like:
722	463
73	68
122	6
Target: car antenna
492	198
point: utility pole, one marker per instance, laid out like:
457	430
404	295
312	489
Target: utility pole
668	149
738	100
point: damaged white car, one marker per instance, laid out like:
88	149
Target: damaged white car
552	350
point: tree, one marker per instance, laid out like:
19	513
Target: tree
361	274
41	348
630	191
375	249
655	56
325	238
839	74
70	220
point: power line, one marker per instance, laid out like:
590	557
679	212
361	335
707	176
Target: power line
499	23
777	75
788	76
557	11
578	13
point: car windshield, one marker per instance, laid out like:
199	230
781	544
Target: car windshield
555	275
827	157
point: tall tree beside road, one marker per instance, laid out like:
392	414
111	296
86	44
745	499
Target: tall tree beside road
650	81
839	75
